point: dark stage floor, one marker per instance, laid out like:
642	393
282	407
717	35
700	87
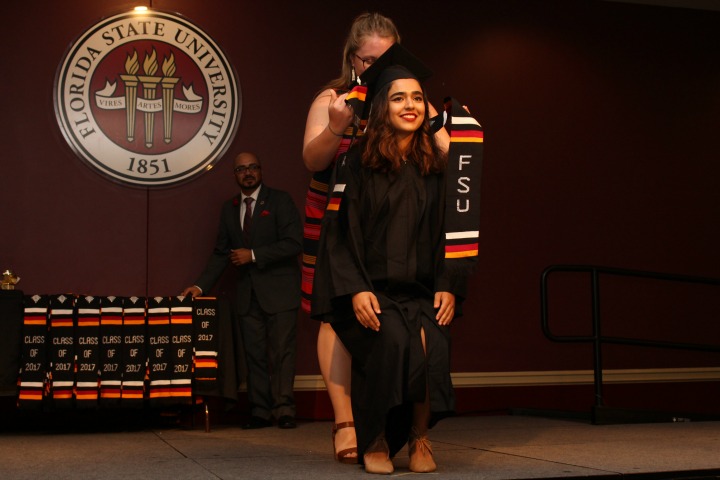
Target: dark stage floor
487	447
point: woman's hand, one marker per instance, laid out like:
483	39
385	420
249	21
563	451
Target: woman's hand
340	114
367	308
327	112
445	304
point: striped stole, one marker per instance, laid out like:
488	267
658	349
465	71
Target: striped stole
87	349
317	196
111	318
462	202
159	360
315	203
33	368
205	321
134	352
115	351
181	345
62	350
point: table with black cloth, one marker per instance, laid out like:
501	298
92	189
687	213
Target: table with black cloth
231	363
11	324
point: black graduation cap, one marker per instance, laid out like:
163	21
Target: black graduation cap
379	73
396	62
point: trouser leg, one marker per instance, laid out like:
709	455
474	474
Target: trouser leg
254	331
282	347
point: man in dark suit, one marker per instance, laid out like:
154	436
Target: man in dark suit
260	233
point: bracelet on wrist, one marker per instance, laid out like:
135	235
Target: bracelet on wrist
331	131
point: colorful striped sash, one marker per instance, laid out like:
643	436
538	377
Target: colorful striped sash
134	352
206	328
159	360
87	347
33	362
111	333
62	350
316	198
181	347
462	201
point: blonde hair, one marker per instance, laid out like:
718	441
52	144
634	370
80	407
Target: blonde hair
364	26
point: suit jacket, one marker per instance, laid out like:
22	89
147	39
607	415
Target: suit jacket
276	240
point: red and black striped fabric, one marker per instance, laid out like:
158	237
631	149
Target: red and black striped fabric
181	349
129	352
160	362
206	328
33	361
61	353
316	198
462	211
111	333
87	347
134	352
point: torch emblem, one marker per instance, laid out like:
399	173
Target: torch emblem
149	103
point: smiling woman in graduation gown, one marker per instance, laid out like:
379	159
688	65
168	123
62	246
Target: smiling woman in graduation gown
383	233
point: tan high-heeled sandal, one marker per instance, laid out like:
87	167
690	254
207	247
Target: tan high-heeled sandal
420	451
346	455
377	457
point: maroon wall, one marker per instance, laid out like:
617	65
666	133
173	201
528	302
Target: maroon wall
600	121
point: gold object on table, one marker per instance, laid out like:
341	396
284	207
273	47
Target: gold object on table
9	280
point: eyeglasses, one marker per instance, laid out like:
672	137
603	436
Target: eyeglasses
244	168
366	61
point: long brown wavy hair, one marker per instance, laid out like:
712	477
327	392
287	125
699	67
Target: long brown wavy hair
381	151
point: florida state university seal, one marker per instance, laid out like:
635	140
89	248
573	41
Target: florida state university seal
147	99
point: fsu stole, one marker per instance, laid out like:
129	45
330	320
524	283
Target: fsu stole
159	359
205	321
111	330
134	352
87	351
33	372
62	350
181	344
462	209
87	342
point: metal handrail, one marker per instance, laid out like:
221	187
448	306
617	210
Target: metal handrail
597	339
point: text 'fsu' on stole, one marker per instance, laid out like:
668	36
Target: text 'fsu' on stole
462	203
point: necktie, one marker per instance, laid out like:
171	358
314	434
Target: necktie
247	219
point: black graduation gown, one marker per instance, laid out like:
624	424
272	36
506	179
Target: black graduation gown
386	236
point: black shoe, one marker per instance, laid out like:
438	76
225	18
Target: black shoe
286	421
256	422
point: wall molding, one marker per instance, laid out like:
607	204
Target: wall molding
554	377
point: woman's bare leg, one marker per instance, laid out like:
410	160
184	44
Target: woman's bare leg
335	364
